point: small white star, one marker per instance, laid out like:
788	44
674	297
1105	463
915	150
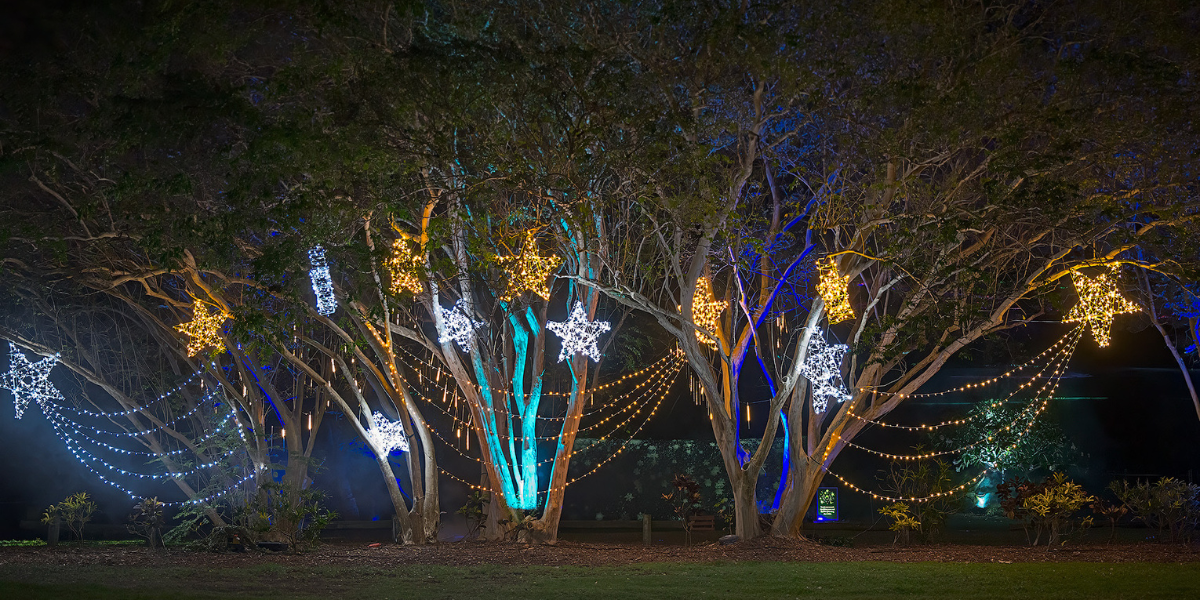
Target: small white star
578	334
29	381
459	327
823	367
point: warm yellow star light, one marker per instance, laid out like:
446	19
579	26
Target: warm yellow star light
706	311
1099	302
204	329
529	271
403	265
833	289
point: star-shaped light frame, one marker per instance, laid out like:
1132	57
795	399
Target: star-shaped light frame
204	329
403	266
822	366
833	288
322	282
1099	302
386	436
29	381
706	312
529	271
578	334
459	327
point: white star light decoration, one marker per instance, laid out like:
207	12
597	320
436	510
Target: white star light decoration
823	367
322	283
387	436
29	381
578	334
459	327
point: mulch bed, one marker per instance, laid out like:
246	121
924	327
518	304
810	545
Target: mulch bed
591	554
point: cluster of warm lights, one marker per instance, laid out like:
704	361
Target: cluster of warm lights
1065	354
1099	302
403	266
528	271
322	282
662	397
834	291
204	330
822	367
578	334
986	382
1034	407
29	382
706	312
1040	408
660	387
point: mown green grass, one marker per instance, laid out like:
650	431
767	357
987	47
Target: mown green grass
659	581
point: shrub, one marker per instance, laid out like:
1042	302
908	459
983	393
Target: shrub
147	521
932	479
75	511
1047	507
1169	505
902	521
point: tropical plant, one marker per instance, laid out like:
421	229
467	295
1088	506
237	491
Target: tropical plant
903	522
75	511
147	521
685	500
932	479
1170	505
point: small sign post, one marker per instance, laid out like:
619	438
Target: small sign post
827	505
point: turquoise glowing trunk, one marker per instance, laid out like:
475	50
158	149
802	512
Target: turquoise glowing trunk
515	453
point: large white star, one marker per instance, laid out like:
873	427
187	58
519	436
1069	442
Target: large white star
578	334
29	381
386	435
823	367
458	326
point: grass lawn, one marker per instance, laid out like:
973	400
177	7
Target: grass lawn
658	581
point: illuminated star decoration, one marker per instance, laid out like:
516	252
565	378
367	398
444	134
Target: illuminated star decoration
204	329
578	334
458	325
403	266
1099	301
29	381
529	271
832	288
322	283
386	435
823	367
706	312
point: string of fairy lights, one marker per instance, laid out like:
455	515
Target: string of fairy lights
530	271
1099	302
668	369
29	382
1034	408
659	391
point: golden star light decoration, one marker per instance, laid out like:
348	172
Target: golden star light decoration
833	289
1099	303
403	266
529	271
706	312
204	329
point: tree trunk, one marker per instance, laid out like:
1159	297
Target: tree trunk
399	506
745	505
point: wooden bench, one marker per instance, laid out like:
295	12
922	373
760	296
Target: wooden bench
701	522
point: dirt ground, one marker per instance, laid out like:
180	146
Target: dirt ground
588	554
